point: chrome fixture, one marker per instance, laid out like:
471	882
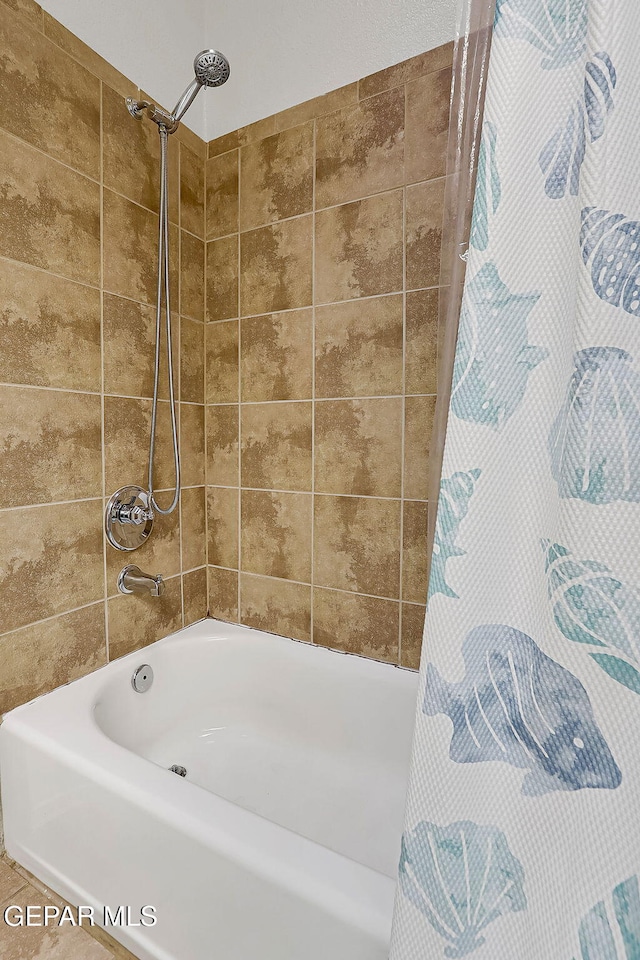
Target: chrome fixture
131	579
142	678
128	522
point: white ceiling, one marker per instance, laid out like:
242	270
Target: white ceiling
281	53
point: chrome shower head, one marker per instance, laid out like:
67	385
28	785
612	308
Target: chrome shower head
211	68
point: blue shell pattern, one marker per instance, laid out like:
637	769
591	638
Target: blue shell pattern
562	156
488	188
558	28
453	505
516	705
594	608
462	878
610	244
493	356
596	936
594	442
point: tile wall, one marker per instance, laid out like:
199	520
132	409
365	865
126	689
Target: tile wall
323	244
78	208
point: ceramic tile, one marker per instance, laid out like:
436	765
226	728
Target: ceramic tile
152	618
229	141
28	10
358	348
192	442
50	443
345	621
359	248
360	149
256	131
276	606
222	444
276	267
276	534
421	363
222	526
36	659
191	361
317	107
276	445
427	132
193	520
428	62
191	192
50	214
48	99
10	882
357	545
223	593
222	195
127	426
194	592
358	447
191	276
222	362
160	554
50	561
414	552
277	356
418	423
85	55
52	942
425	204
130	237
130	332
276	177
222	278
131	152
45	320
411	635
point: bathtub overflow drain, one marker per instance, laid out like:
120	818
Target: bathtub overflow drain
181	771
142	678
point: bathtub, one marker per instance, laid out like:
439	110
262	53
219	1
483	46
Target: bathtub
282	840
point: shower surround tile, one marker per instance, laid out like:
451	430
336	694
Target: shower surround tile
276	443
48	100
275	534
358	347
277	356
62	324
50	214
358	447
43	321
222	526
222	179
50	561
155	617
276	606
276	267
222	278
36	659
344	621
357	544
359	248
276	177
353	337
52	427
360	149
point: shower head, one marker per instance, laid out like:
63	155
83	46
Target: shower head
211	68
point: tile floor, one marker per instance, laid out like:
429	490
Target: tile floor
19	887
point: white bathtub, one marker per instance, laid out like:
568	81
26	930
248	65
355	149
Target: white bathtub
282	841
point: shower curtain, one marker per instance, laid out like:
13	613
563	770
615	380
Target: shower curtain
521	838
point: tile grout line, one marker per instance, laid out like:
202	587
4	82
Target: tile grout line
313	380
404	380
105	545
179	352
239	294
205	389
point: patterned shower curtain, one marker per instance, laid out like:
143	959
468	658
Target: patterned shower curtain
522	835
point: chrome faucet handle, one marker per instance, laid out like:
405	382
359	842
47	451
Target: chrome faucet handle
131	579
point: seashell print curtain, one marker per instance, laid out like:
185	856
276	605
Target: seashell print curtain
521	837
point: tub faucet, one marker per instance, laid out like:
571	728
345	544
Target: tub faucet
131	579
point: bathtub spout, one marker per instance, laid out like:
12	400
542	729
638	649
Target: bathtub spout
131	579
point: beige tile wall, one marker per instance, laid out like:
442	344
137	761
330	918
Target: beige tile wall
323	230
78	209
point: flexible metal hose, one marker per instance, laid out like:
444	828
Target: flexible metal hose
164	287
